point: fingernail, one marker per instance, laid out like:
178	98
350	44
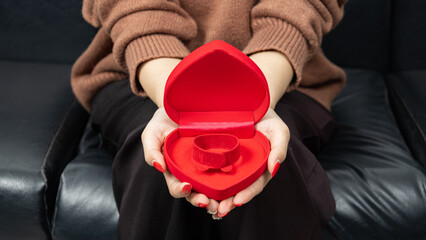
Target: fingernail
158	166
222	215
216	217
201	205
238	204
210	212
187	188
276	167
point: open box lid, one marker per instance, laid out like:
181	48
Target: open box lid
216	83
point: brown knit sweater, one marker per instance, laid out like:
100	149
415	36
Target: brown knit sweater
132	32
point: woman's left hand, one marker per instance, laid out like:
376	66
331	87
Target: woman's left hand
278	73
278	135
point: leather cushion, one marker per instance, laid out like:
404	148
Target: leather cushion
361	39
39	125
409	35
85	207
407	96
378	186
40	30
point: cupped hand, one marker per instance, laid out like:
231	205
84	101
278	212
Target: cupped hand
153	137
278	135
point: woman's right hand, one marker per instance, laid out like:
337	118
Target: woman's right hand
152	75
153	137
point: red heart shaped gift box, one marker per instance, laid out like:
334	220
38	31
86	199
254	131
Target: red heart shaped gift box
216	95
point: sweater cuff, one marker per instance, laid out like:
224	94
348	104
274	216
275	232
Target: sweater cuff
275	34
150	47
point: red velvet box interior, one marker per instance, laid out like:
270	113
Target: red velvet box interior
216	95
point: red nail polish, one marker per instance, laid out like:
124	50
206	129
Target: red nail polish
220	215
238	205
158	166
187	188
276	167
202	205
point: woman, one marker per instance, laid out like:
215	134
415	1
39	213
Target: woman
143	41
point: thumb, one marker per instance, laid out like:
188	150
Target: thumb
279	142
152	145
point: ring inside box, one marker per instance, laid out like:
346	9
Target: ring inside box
214	183
216	151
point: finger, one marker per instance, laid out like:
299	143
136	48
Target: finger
225	206
279	143
177	188
198	199
251	191
212	207
152	144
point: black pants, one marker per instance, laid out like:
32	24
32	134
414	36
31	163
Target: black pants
293	205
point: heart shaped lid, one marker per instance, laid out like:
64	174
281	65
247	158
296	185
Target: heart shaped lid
216	79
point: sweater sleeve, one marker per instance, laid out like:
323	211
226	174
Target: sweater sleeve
141	30
292	27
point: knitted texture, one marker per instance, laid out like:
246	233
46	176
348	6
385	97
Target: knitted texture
133	32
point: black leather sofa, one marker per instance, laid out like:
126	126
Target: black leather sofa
55	175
